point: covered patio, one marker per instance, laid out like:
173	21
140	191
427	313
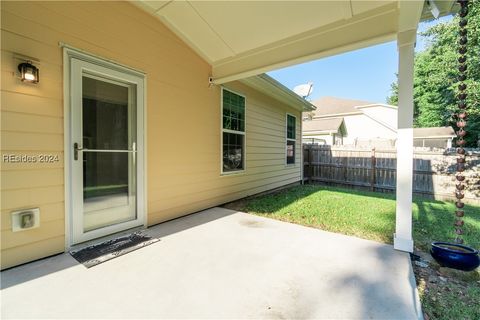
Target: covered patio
217	263
224	264
224	42
243	39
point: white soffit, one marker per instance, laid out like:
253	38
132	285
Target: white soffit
362	6
220	30
246	25
243	38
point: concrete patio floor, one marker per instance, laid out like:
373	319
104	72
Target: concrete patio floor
222	264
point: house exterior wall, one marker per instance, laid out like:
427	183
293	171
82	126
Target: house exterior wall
183	119
363	127
384	114
441	143
328	138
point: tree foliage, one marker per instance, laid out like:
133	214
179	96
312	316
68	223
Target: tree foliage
436	76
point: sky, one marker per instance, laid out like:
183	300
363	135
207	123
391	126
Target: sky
364	74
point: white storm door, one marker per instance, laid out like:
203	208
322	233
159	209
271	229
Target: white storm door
106	150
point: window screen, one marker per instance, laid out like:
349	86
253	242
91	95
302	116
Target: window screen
233	131
290	147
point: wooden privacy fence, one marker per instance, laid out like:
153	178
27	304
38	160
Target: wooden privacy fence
433	170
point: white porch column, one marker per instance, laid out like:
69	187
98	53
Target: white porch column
403	230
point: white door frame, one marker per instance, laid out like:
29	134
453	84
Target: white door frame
123	73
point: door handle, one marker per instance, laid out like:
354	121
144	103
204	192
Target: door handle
75	151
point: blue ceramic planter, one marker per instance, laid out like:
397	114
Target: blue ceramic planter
455	256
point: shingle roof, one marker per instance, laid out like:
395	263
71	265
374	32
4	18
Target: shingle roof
333	105
433	132
322	125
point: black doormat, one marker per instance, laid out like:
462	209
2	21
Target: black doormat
108	250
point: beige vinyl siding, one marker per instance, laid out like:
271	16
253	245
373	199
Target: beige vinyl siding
201	181
183	119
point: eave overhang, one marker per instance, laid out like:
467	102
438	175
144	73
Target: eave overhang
271	87
240	39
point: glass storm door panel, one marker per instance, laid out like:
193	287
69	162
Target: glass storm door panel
104	164
108	135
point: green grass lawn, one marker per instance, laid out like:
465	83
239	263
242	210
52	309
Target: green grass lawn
363	214
445	294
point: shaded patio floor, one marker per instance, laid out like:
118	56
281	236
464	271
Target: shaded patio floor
222	264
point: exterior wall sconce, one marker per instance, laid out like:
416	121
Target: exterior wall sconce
28	72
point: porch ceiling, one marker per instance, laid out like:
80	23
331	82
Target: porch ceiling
245	38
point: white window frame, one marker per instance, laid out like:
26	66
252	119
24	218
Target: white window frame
290	139
244	133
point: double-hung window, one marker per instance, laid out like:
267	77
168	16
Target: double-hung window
291	133
233	132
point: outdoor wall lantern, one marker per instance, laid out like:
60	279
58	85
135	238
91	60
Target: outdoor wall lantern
28	72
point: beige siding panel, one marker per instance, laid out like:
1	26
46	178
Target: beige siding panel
139	20
24	198
23	45
267	132
46	230
48	213
253	121
227	187
173	212
261	163
204	182
260	143
147	25
22	103
262	112
19	141
112	33
21	122
266	150
267	156
265	115
264	137
172	193
78	20
23	179
36	250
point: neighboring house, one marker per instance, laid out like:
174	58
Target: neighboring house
340	121
436	137
147	111
329	131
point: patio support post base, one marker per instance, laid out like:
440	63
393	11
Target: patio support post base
402	244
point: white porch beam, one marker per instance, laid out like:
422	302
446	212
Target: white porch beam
410	13
261	63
